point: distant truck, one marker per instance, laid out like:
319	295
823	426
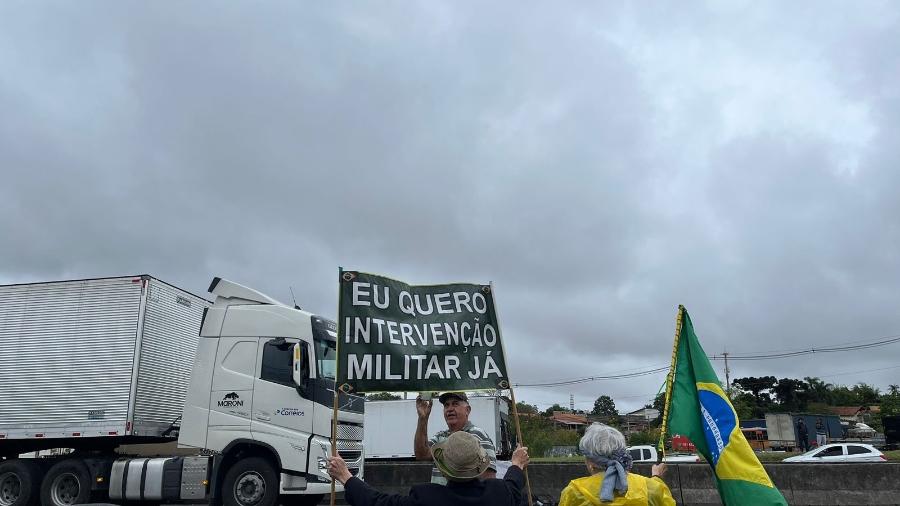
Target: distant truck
120	369
891	431
682	443
781	429
391	425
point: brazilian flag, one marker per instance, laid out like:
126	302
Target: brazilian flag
697	407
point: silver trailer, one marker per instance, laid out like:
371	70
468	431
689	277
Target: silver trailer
94	361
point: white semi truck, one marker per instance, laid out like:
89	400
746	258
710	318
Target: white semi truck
120	369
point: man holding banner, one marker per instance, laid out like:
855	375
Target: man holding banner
396	337
456	414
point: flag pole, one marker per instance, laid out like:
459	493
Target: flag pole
334	414
670	378
512	393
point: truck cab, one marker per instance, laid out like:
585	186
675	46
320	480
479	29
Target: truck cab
262	390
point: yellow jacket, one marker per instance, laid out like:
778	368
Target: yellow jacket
641	491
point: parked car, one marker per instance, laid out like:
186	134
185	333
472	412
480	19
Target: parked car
647	453
841	452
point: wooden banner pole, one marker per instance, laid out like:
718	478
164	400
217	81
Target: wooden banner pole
337	398
512	396
512	393
334	419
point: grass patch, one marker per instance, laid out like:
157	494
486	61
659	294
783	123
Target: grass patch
892	456
576	458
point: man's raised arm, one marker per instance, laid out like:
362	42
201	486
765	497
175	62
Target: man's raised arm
420	442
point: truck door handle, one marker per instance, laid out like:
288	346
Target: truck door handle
264	418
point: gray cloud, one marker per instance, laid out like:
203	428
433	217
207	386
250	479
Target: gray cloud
599	163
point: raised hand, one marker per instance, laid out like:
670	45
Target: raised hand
658	469
520	457
423	407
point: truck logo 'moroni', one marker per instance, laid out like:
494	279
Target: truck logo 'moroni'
231	400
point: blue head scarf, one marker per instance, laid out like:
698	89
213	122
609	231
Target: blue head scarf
616	478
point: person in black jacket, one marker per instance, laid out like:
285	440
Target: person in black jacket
803	435
461	459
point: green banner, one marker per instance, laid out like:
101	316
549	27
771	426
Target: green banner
395	337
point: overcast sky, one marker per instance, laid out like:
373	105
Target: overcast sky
600	162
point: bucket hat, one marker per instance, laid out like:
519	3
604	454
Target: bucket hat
460	457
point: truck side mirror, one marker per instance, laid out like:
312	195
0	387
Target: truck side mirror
301	367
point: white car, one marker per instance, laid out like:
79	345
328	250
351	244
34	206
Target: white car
647	453
841	452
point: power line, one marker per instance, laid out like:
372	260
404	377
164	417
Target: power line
858	372
595	378
884	341
580	379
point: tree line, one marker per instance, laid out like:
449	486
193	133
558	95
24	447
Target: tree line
753	396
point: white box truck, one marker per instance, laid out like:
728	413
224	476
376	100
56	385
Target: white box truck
391	426
119	369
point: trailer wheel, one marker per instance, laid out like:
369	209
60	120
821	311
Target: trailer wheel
19	483
67	483
250	482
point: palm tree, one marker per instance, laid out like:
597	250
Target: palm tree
894	390
819	390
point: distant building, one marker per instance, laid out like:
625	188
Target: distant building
648	414
639	420
856	414
568	420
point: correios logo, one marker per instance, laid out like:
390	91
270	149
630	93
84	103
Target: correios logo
232	400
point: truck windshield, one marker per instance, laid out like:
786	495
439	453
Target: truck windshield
325	339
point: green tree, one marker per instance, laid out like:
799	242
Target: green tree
605	406
659	404
755	392
843	396
866	395
819	391
556	407
527	409
539	435
746	408
791	394
890	402
383	396
644	437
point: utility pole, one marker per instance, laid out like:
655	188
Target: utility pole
727	375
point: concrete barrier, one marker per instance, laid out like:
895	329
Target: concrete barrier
692	484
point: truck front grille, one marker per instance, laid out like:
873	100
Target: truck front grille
351	432
351	452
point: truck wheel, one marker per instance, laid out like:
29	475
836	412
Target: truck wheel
66	483
19	483
301	500
250	482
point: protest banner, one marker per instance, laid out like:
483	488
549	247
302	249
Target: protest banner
398	337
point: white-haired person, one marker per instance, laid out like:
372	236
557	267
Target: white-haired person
611	481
